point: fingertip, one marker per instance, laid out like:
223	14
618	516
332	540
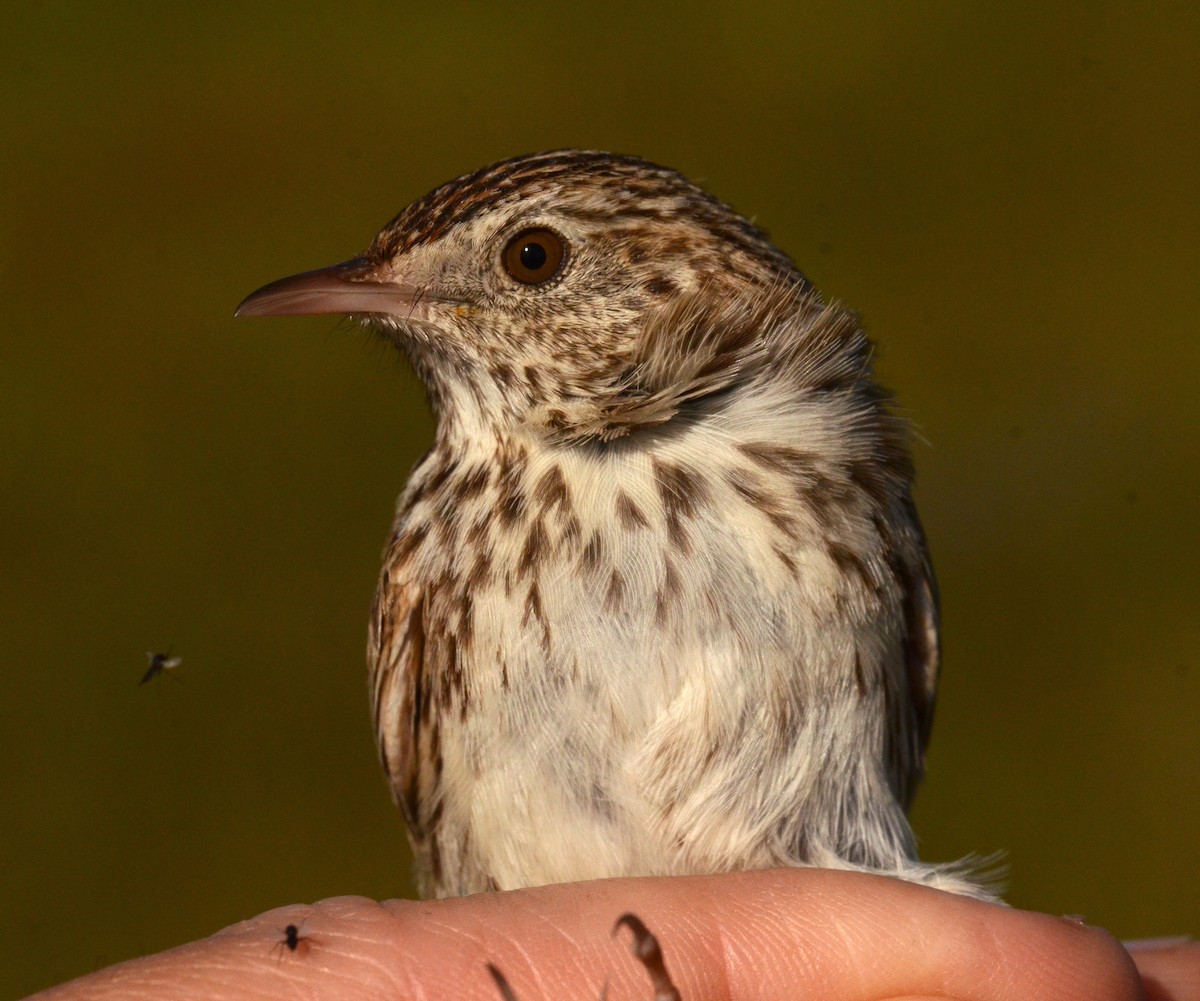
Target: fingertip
1169	967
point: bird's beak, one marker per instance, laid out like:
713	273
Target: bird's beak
350	287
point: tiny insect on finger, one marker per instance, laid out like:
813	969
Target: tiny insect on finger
292	941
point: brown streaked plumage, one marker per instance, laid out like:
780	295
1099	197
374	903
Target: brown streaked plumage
657	600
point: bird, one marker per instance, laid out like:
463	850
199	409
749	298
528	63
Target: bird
657	600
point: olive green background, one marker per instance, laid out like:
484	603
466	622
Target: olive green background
1008	192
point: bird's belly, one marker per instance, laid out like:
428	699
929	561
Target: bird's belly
663	683
608	739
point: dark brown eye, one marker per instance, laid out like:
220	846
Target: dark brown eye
534	256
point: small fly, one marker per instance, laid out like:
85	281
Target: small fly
292	940
159	662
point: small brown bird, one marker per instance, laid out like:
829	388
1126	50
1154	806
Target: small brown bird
657	600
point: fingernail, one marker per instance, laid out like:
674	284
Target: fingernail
1156	944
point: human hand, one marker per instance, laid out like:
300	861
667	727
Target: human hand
778	935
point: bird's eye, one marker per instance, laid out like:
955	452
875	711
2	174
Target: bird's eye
534	256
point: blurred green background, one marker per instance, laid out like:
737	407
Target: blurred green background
1008	192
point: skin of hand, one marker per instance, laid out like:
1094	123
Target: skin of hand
775	935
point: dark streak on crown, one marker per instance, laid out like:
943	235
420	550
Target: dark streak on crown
633	188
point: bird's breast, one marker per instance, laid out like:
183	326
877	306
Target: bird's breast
608	571
593	619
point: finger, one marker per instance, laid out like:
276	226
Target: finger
783	934
1170	968
765	936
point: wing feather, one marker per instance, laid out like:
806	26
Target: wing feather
397	664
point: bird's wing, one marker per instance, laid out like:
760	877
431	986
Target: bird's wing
922	643
399	673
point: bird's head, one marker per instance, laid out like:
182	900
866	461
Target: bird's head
583	293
